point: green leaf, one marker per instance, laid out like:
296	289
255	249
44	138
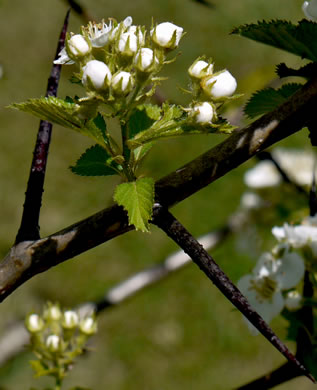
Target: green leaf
268	99
141	152
96	162
142	118
137	198
307	71
168	125
298	39
64	113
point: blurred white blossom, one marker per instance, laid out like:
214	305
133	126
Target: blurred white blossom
293	300
263	288
310	9
297	164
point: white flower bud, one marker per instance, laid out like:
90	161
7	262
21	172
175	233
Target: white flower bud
221	85
70	319
88	326
203	113
53	342
293	300
144	59
167	35
122	83
78	46
52	313
97	73
310	9
34	323
130	41
200	69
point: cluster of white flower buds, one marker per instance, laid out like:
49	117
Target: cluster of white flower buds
209	89
113	57
58	333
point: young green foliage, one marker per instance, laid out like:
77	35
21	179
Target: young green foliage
137	198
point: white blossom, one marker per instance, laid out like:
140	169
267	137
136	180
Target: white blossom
53	342
144	59
298	164
97	72
167	35
99	34
203	113
200	69
122	82
53	313
34	323
293	300
299	236
63	58
78	45
250	200
263	288
70	319
221	85
88	326
263	174
310	9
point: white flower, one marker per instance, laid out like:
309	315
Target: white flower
250	200
99	34
271	276
122	82
298	236
70	319
203	113
144	59
130	41
97	73
53	342
124	25
34	323
293	300
221	85
63	58
298	164
88	326
310	9
167	35
200	69
78	45
52	313
264	174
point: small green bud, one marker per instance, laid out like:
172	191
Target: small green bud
34	323
52	312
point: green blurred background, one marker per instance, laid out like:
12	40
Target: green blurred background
182	333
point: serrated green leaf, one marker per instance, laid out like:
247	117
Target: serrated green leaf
297	39
307	71
168	125
268	99
137	198
63	113
140	120
96	162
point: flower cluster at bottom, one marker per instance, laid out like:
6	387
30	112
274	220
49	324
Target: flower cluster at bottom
57	338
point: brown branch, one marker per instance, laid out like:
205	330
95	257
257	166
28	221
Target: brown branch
176	231
32	257
29	228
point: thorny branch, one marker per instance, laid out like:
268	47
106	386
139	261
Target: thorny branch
29	229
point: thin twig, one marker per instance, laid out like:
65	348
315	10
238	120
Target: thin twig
29	228
173	228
